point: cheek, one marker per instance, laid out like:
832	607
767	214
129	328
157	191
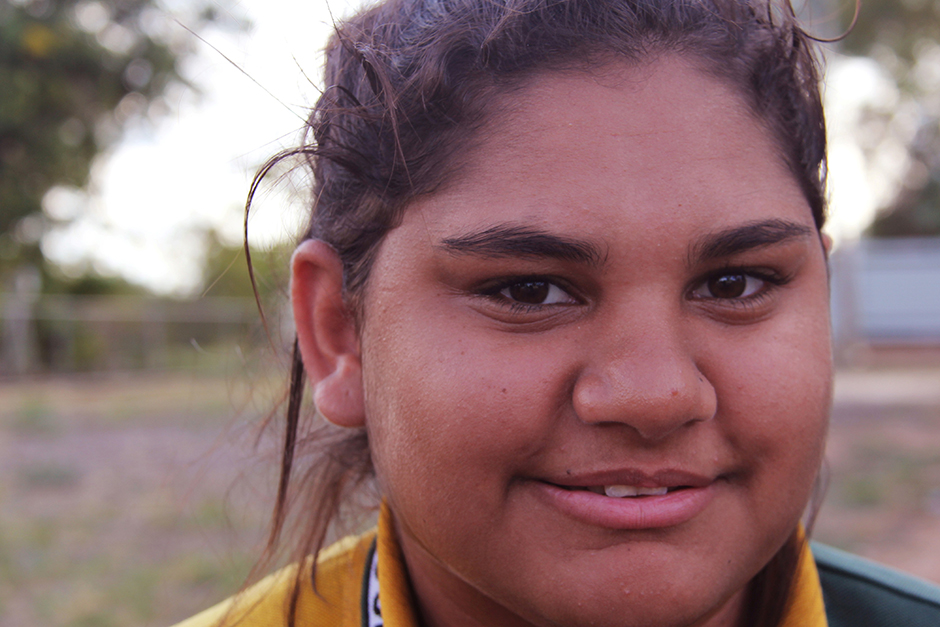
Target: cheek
460	402
775	400
774	396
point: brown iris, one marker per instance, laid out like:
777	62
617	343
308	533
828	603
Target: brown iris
727	286
530	292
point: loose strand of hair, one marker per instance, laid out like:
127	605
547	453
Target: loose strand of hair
295	398
846	33
818	495
252	190
771	590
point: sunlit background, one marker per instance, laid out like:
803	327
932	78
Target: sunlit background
185	159
133	363
182	160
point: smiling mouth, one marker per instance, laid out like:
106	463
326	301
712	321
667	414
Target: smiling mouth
631	499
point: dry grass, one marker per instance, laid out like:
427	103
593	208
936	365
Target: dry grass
127	501
884	457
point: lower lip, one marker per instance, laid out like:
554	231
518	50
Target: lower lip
633	513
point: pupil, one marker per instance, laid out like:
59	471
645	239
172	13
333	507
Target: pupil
531	292
727	286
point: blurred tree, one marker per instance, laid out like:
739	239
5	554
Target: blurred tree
225	272
898	26
72	74
902	37
90	284
915	210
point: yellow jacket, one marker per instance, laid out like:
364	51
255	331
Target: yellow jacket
348	591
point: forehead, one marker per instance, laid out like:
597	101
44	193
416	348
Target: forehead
665	95
656	145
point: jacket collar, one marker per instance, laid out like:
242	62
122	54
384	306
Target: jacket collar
394	607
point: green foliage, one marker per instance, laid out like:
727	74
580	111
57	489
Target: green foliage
863	491
896	25
916	208
73	73
88	285
58	81
48	477
34	417
902	36
225	271
915	213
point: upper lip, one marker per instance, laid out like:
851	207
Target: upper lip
662	478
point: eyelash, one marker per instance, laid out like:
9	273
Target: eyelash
770	278
493	292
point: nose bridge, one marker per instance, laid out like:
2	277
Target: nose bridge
644	374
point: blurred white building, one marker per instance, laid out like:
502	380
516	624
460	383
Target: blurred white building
886	292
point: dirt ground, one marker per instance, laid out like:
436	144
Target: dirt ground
883	500
138	500
127	500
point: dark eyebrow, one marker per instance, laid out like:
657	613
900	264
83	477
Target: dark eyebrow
510	240
747	237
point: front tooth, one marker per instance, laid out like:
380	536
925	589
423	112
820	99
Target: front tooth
621	490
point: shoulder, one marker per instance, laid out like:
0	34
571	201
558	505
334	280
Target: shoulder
336	602
861	593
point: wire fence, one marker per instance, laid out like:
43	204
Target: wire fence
63	334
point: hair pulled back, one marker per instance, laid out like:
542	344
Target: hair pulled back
410	84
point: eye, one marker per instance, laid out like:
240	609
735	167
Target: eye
730	285
536	292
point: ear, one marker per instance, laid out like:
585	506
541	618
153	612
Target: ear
826	242
326	334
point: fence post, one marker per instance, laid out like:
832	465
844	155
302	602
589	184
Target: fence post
19	333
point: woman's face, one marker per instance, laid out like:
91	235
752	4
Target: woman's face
624	293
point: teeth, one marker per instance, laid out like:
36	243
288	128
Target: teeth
620	491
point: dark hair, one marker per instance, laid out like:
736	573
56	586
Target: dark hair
409	85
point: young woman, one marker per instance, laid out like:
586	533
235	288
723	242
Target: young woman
564	295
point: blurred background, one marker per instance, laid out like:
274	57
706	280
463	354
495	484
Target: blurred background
135	371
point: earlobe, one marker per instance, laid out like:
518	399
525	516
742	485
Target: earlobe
326	334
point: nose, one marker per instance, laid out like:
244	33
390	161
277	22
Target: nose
647	377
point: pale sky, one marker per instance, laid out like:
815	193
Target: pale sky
193	169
